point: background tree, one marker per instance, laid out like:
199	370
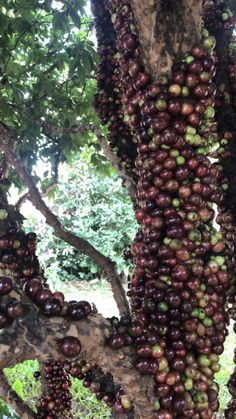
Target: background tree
165	98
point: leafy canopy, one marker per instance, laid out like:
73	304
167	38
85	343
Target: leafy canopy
47	65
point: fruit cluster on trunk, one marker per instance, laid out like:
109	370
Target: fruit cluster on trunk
183	264
20	270
56	400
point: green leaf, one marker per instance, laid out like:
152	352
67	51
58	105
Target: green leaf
3	23
75	17
59	20
18	388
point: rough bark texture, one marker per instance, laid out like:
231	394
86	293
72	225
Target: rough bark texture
36	337
167	30
85	247
12	398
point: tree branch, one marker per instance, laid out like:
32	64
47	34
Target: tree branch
36	337
128	182
12	399
46	190
59	231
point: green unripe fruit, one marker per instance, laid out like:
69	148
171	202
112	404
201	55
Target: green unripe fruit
180	160
126	402
189	59
16	244
205	32
201	150
185	91
215	367
192	216
176	202
161	105
204	361
225	16
197	139
203	303
209	112
164	80
225	186
113	17
156	405
163	364
3	214
201	314
209	42
188	384
207	322
175	244
162	306
194	235
191	130
190	373
220	260
214	357
174	153
214	240
201	397
195	312
189	138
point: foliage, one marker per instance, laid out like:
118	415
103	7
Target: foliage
227	366
22	381
6	412
85	403
47	68
91	206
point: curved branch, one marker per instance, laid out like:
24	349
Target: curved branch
128	182
12	399
46	190
59	231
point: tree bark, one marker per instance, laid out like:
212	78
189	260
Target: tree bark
167	30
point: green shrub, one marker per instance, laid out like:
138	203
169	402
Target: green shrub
92	206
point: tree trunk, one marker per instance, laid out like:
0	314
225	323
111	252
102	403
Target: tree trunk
167	30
